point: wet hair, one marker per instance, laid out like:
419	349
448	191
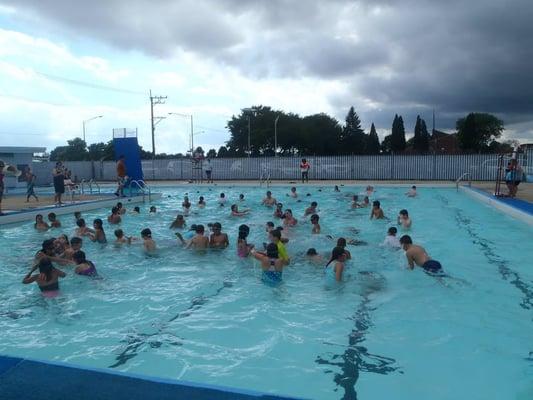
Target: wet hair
179	216
98	222
304	160
269	192
366	199
392	230
335	254
404	212
244	231
77	214
137	209
153	209
341	242
272	250
200	228
64	237
80	222
217	225
201	199
119	205
114	210
146	232
233	207
270	223
311	252
288	210
279	205
48	244
75	241
222	195
376	203
119	233
314	204
413	187
79	257
315	217
46	267
38	216
293	189
355	197
276	233
241	196
52	216
406	239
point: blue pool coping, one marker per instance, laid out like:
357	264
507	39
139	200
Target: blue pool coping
29	379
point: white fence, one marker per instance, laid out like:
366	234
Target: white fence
482	167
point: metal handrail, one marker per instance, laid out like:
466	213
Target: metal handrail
82	186
140	187
266	179
91	182
461	178
145	186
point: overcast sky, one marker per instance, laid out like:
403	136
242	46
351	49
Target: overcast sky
214	57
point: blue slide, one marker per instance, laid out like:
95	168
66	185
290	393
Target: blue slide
129	147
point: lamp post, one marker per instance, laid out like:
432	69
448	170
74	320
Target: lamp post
191	141
276	136
87	120
249	111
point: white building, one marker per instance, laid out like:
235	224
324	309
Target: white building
21	157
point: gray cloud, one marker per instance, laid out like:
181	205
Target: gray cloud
410	56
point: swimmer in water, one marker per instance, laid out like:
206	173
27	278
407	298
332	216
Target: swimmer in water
222	199
201	202
178	223
377	212
336	189
99	234
341	243
289	219
48	277
335	266
314	257
269	200
241	197
369	190
271	264
40	225
75	245
82	229
275	237
186	203
121	238
199	241
243	248
269	226
61	245
153	210
83	266
218	239
54	222
417	255
404	220
311	209
148	243
316	226
77	215
411	192
355	202
136	210
278	212
293	193
114	218
236	213
365	203
121	209
391	240
48	251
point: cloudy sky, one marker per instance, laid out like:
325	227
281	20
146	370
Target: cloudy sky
63	61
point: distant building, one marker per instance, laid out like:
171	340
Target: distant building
21	157
443	143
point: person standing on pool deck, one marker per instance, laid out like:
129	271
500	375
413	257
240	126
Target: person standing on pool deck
208	170
304	169
30	186
59	183
121	175
417	255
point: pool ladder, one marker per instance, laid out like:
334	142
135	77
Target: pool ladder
461	178
90	184
143	187
265	177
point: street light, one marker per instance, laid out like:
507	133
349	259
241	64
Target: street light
250	112
276	136
87	120
191	142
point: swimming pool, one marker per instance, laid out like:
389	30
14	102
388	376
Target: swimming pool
385	333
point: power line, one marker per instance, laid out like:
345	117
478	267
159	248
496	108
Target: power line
22	98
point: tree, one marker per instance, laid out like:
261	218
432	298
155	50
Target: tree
372	141
222	152
421	138
397	140
386	145
76	150
353	137
212	153
101	151
476	131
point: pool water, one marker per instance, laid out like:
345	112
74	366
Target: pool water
386	332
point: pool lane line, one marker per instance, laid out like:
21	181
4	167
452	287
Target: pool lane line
137	340
355	356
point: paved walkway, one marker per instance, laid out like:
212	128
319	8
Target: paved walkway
12	203
525	189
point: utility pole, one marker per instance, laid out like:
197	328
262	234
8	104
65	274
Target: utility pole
155	120
276	136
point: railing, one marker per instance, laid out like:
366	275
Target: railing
265	177
82	186
143	187
91	183
461	178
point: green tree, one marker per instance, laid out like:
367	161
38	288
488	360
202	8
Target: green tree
222	152
101	151
476	131
421	138
212	153
352	140
76	150
386	144
424	144
397	135
372	141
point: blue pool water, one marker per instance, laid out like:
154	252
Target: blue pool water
385	333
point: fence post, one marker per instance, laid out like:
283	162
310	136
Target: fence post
391	166
434	166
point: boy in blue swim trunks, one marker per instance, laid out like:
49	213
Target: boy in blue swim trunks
417	255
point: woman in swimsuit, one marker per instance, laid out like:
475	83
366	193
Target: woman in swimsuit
99	234
271	264
334	271
83	266
47	278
